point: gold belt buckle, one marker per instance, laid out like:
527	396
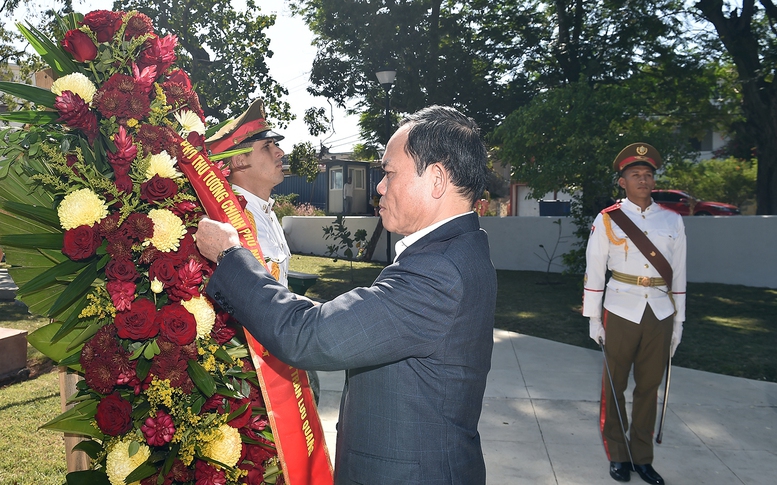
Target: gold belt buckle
643	281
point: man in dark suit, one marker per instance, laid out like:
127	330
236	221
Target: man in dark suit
416	345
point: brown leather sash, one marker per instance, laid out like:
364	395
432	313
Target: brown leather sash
645	246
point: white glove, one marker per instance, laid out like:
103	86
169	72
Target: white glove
677	336
596	330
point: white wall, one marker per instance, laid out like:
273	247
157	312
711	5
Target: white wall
724	249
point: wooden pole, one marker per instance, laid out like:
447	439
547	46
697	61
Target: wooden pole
76	460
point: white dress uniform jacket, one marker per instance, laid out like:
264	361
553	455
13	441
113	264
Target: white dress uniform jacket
666	231
269	232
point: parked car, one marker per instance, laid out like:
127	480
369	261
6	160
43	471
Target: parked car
685	204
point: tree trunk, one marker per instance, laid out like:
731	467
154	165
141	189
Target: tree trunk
759	98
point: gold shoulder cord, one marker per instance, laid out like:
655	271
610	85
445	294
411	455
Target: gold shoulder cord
275	270
611	235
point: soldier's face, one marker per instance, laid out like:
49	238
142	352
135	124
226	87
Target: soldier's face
638	181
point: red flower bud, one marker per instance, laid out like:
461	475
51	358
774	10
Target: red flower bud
79	45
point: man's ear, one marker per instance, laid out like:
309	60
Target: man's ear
439	178
621	183
237	162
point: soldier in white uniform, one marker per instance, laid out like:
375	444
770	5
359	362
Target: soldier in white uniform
642	320
253	175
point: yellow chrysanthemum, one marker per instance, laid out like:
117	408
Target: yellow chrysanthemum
81	207
162	164
76	83
203	313
168	230
225	447
189	122
119	464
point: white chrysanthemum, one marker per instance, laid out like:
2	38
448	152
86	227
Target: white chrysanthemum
189	122
157	286
225	447
76	83
119	464
81	207
203	313
162	164
168	230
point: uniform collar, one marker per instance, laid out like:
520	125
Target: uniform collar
264	205
630	206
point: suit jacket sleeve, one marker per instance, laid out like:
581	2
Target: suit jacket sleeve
403	313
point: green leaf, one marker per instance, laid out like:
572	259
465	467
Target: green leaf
51	275
201	378
42	339
143	471
90	447
77	420
43	241
88	477
31	117
76	289
39	96
72	320
59	61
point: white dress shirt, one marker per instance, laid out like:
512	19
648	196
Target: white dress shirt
269	232
406	241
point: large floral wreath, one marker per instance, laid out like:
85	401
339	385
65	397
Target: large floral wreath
98	223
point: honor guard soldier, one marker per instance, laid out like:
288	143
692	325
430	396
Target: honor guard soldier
253	176
640	321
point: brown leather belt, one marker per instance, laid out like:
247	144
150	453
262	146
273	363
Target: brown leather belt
645	281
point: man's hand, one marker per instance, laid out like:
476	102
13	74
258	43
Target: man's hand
596	331
213	237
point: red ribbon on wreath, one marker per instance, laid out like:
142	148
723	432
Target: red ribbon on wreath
299	436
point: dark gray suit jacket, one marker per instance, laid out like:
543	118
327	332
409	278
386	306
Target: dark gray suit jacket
416	347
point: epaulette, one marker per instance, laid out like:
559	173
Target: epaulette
616	205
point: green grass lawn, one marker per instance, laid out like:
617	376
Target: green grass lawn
729	330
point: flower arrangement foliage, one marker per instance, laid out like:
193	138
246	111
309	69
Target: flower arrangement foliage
98	224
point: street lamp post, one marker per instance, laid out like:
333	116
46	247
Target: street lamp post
386	79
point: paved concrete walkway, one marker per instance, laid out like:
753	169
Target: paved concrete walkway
541	408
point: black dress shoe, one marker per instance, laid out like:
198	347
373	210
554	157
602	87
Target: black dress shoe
620	470
649	475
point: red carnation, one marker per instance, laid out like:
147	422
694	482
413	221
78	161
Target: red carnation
122	294
121	270
123	184
79	45
157	189
104	23
74	112
81	243
114	415
176	324
222	332
138	323
158	430
139	24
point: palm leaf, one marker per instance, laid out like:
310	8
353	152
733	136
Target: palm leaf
31	117
78	420
42	339
76	288
42	241
39	96
42	214
50	276
58	59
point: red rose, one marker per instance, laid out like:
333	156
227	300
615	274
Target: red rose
121	270
139	323
123	183
122	294
104	23
176	324
114	415
79	45
80	243
163	269
158	188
